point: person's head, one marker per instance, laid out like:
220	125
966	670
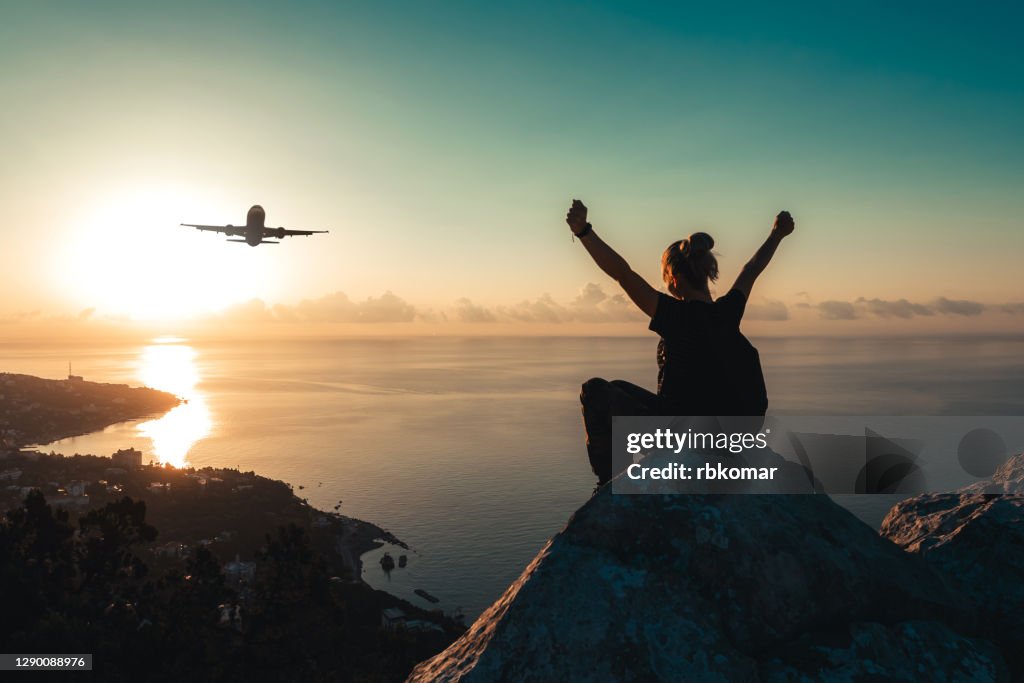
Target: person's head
688	266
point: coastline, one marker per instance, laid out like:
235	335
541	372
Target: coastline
361	537
225	510
35	411
229	513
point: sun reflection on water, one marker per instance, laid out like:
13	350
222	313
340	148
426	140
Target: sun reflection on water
171	367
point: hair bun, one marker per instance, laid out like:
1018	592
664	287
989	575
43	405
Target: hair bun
697	244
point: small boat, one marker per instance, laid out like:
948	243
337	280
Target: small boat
402	560
387	562
426	596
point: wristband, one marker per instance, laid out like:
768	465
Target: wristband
586	231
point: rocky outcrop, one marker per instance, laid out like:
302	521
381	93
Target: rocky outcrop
975	539
1008	478
720	588
911	651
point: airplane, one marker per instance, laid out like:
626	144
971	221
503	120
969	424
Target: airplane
254	232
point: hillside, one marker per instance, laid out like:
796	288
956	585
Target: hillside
34	410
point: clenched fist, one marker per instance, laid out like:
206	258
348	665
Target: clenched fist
577	217
784	224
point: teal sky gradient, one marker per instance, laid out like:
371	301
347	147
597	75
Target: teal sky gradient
442	142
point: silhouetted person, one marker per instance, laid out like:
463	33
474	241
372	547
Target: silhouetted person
706	367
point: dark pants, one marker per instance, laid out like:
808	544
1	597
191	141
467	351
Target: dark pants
601	400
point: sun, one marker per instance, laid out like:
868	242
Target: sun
126	255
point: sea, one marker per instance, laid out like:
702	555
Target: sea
471	450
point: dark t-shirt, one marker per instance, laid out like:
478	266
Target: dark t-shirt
705	364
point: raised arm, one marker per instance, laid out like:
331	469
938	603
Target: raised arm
608	260
782	227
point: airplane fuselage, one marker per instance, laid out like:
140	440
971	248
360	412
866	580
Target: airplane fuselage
254	222
252	232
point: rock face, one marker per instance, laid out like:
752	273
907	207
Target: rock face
720	588
1008	478
911	651
975	538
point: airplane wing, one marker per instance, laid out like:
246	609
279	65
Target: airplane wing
226	229
281	232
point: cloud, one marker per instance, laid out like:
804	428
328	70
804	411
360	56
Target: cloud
895	309
594	305
591	305
252	311
468	312
768	309
23	317
837	310
285	314
543	309
332	308
958	307
428	315
338	308
904	309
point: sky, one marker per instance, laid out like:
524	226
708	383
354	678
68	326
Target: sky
441	143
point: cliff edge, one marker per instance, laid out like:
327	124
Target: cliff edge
722	588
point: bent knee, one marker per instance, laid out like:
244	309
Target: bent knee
592	387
